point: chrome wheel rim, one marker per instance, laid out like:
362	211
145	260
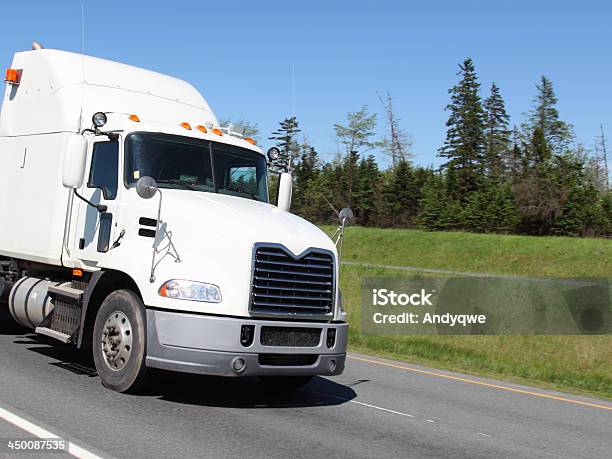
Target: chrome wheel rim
117	341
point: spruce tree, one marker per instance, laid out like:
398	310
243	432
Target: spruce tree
287	141
349	179
465	142
433	203
497	134
304	173
365	202
405	191
556	134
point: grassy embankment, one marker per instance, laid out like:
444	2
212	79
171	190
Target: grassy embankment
580	364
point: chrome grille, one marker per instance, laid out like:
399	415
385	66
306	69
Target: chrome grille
285	285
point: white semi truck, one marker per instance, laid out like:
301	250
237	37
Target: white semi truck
133	225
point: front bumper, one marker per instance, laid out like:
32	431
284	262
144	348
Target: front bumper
193	343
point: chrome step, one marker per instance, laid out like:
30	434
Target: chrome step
67	291
53	334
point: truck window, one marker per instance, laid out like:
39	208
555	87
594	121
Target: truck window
239	172
173	161
105	168
242	179
185	163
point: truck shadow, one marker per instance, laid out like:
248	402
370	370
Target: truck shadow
245	392
8	326
197	390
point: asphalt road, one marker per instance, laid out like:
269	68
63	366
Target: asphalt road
377	408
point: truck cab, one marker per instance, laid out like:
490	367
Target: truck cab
140	229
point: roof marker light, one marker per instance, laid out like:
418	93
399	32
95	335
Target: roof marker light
201	128
251	140
217	131
134	118
12	76
186	125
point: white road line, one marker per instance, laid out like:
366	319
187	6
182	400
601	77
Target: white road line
381	408
430	420
483	434
363	404
39	432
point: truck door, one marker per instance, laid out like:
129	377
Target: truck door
95	230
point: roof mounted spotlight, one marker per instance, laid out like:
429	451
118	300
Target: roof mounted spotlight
99	119
273	154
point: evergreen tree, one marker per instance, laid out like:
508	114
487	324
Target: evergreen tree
406	194
287	141
349	179
497	134
491	209
464	145
433	203
305	172
582	213
518	161
366	195
400	195
557	135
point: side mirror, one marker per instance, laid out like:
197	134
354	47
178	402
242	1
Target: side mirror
285	186
75	158
346	215
146	187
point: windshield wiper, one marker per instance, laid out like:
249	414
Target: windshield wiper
184	183
255	197
244	193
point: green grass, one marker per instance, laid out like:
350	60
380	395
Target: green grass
577	364
491	253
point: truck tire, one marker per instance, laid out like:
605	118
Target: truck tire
285	383
119	341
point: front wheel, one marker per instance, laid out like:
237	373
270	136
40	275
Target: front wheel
119	341
285	383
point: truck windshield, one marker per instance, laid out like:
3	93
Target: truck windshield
186	163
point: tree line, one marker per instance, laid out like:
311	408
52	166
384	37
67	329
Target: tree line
532	178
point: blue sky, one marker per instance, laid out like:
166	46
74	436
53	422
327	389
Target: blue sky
240	55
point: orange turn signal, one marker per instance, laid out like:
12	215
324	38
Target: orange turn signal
134	118
201	128
217	131
77	272
12	76
186	125
250	140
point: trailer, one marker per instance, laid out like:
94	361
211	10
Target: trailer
135	227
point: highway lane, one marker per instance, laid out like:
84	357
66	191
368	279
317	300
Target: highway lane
377	408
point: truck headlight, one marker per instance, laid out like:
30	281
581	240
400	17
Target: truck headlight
192	291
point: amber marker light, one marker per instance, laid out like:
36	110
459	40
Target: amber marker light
12	76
